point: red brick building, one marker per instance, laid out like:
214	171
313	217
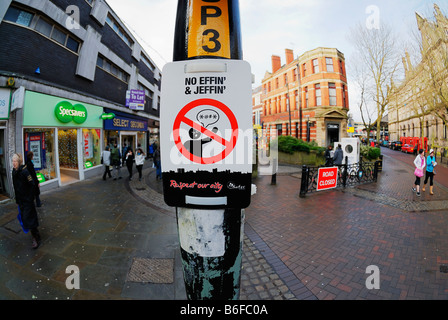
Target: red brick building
307	97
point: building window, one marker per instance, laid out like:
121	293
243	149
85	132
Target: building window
148	63
19	16
332	91
51	31
295	74
43	27
276	83
306	97
344	100
315	66
121	33
329	62
111	68
304	69
279	130
318	95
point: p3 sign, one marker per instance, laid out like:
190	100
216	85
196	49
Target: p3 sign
212	28
327	178
206	133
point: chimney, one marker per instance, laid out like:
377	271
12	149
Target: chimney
276	64
289	56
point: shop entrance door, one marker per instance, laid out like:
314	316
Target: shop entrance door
128	140
332	133
68	155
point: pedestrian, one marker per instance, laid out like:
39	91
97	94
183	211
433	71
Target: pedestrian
139	161
129	158
30	166
156	158
419	163
338	155
105	157
328	156
24	192
124	152
430	172
115	160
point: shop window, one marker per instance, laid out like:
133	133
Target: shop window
42	143
141	141
91	147
68	148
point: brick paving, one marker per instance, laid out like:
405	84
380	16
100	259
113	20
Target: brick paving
329	239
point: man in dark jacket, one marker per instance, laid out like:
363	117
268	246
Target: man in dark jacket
115	161
24	192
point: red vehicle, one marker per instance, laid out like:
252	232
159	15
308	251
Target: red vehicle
408	148
417	143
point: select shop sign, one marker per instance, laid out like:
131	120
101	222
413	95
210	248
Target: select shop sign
45	110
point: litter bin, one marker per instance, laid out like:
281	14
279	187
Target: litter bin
380	163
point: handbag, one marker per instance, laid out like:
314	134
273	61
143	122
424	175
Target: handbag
418	172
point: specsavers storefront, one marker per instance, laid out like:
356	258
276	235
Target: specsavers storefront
65	137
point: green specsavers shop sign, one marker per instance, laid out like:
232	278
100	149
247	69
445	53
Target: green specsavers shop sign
51	111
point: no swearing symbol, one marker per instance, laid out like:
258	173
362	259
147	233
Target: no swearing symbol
192	147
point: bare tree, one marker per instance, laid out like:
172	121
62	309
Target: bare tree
377	52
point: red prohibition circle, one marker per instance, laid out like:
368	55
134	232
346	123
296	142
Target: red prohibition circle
229	145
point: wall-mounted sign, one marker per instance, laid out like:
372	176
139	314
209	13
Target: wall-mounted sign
135	99
66	112
42	110
123	123
107	116
5	96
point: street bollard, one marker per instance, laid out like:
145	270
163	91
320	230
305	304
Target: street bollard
304	182
274	172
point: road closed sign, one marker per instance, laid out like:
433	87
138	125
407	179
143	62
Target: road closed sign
327	178
206	133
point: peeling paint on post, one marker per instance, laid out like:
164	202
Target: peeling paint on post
211	250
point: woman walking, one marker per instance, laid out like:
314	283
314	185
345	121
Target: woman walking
431	163
129	161
139	161
24	192
419	163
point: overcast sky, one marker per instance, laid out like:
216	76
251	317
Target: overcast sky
269	27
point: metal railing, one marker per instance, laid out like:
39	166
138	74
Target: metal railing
348	175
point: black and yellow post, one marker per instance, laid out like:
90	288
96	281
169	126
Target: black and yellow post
210	29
